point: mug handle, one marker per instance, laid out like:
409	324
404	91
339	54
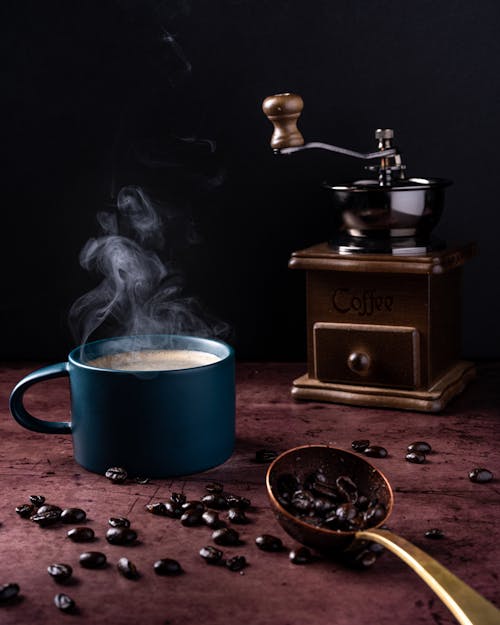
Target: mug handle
19	412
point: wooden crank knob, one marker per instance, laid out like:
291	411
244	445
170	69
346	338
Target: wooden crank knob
283	110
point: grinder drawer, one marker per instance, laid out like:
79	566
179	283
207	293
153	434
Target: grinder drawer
377	355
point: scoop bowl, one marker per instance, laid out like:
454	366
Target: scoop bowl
467	606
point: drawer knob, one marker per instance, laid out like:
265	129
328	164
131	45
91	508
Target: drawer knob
359	362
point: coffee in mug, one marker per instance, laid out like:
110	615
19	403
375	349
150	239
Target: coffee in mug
154	360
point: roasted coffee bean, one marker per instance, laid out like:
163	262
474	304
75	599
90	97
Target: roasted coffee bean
268	542
322	505
192	517
81	534
194	505
92	559
286	485
364	559
375	451
167	566
64	602
60	572
303	500
127	568
157	508
8	592
237	516
211	555
173	510
362	502
46	518
346	512
211	518
420	446
325	490
215	501
73	515
360	445
339	506
236	501
434	533
25	510
347	489
178	498
374	514
316	477
301	555
214	487
117	475
118	521
480	476
49	508
226	536
265	455
415	457
37	500
121	536
236	563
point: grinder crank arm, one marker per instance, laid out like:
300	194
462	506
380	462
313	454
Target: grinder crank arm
283	110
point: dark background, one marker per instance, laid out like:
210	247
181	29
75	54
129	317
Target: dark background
100	94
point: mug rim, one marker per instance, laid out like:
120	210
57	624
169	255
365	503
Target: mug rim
74	355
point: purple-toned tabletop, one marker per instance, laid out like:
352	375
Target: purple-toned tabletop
271	589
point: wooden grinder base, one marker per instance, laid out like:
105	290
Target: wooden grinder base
383	330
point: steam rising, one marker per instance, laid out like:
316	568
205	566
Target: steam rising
139	294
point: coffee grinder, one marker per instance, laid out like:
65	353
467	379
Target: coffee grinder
383	294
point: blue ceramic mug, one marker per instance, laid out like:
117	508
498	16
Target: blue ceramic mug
157	405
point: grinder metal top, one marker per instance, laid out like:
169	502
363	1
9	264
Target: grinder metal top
389	213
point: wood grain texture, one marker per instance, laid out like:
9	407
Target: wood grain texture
437	493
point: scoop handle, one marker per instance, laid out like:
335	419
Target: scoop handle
466	605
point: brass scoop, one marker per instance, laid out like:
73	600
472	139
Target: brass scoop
466	605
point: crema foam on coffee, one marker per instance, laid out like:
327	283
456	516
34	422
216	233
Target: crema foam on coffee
155	360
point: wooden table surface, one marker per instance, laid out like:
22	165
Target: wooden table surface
272	589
